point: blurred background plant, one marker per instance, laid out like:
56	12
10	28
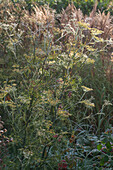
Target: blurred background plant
85	5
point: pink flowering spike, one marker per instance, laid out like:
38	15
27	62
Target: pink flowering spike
59	140
63	161
55	136
69	94
62	165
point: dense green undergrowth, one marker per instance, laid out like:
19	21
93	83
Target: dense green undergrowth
85	5
56	92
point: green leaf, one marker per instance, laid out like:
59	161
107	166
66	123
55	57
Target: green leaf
104	160
99	147
111	163
108	145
